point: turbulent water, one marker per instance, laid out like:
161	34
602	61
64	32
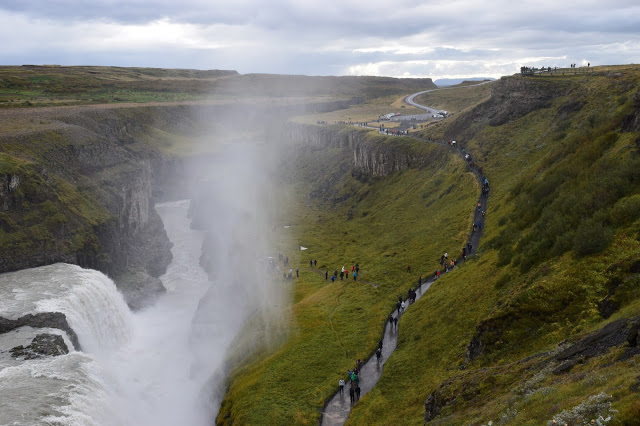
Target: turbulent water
145	368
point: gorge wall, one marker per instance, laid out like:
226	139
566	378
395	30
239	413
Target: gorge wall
78	184
374	154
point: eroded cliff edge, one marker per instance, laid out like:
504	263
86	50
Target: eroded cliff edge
77	185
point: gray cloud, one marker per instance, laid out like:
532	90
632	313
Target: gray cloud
403	37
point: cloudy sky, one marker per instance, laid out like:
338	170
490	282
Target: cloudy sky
399	38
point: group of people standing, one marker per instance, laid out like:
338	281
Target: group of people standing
344	273
354	383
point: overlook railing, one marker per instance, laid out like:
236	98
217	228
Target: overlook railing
555	71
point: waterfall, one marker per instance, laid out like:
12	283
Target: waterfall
159	366
68	389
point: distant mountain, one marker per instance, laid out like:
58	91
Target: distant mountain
443	82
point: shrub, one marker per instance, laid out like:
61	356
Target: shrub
591	237
626	210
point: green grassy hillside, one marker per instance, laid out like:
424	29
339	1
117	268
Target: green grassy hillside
558	261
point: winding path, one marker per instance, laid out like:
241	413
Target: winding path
337	409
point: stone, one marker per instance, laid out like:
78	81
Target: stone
42	345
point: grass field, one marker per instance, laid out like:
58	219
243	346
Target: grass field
30	85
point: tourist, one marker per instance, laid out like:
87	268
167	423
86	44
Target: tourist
341	383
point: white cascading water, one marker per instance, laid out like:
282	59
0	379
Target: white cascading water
66	389
156	379
142	368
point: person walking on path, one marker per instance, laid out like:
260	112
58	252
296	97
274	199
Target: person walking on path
341	383
311	264
355	276
352	394
357	393
378	355
395	322
402	307
380	345
315	262
341	275
326	275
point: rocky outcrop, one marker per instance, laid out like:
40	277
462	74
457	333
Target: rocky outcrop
433	406
8	185
511	98
41	320
524	375
372	154
41	345
631	122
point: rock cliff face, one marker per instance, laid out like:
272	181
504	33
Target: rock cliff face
632	121
511	98
81	191
378	156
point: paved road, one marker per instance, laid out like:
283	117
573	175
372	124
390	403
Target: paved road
410	100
